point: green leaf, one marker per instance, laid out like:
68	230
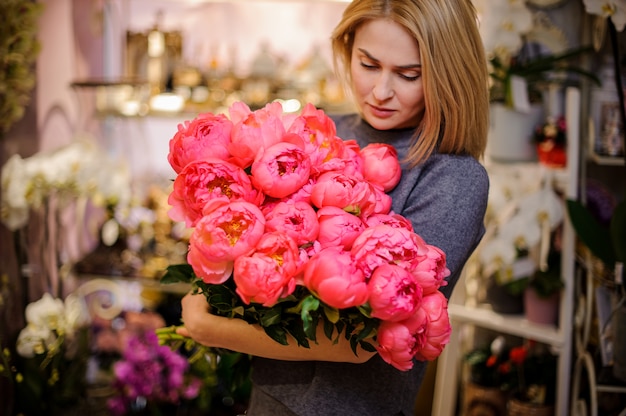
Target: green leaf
593	235
328	329
309	304
270	317
296	331
618	231
178	273
367	346
332	314
277	333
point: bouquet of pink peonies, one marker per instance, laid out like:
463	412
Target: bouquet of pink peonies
292	228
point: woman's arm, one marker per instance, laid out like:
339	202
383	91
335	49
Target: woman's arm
237	335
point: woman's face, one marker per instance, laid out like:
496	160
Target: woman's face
387	75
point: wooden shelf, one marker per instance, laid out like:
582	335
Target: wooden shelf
511	324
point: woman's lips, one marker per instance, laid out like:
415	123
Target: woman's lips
380	112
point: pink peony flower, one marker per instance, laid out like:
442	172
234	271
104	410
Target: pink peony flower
281	169
207	135
211	272
381	166
227	232
394	293
339	190
296	219
431	272
333	278
398	342
378	202
338	228
268	273
435	307
318	132
203	180
391	219
384	244
254	130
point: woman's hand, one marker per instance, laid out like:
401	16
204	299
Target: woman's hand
237	335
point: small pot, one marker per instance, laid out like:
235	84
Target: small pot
540	310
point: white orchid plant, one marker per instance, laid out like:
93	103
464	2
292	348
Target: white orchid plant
49	371
524	211
80	170
516	75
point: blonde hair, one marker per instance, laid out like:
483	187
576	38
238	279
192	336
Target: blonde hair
454	69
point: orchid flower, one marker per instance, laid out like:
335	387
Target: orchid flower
612	9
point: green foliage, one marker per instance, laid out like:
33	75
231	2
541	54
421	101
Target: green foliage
607	244
290	316
19	48
545	283
535	71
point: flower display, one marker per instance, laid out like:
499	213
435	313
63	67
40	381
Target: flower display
524	214
49	372
150	375
79	169
292	227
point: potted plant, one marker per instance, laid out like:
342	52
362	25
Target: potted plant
534	371
523	221
489	379
542	291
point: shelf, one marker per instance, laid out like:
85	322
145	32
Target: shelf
511	324
608	160
154	284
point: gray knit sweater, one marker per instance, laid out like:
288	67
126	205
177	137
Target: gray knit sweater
445	198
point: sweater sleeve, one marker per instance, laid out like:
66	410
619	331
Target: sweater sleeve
447	206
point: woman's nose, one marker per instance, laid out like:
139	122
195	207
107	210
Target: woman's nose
383	88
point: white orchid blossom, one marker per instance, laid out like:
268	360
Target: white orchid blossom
34	340
502	25
50	322
47	312
78	170
611	9
522	229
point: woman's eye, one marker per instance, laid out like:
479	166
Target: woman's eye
368	66
409	77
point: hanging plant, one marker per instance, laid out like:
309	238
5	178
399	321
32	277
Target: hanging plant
18	51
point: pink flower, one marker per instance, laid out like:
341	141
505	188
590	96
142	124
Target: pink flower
281	169
378	202
203	180
254	130
338	228
398	342
207	135
339	190
391	219
333	278
229	231
296	219
318	132
381	166
384	244
212	272
431	271
394	293
435	307
268	273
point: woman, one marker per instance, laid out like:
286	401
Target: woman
418	74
